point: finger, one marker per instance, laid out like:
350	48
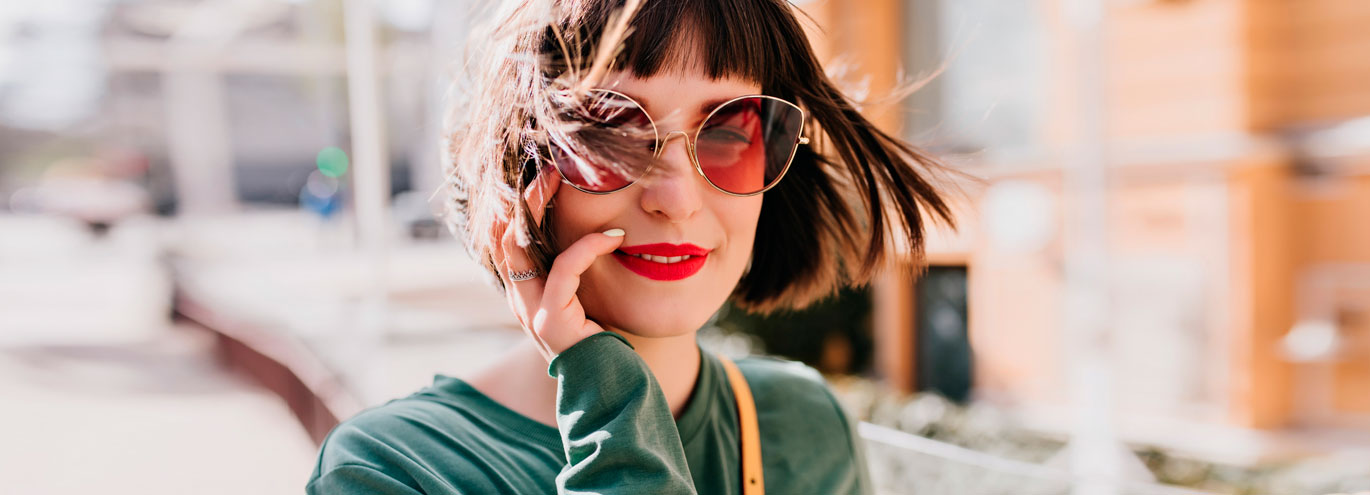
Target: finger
516	259
505	243
564	278
570	324
524	295
539	194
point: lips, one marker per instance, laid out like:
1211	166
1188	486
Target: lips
656	270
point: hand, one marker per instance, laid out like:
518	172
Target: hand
547	306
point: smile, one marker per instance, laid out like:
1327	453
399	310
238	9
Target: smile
663	262
663	259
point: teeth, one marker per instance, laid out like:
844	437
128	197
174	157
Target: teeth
663	259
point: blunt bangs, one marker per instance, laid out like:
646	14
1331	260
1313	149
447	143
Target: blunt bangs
721	38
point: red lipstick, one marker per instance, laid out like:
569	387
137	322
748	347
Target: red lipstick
657	270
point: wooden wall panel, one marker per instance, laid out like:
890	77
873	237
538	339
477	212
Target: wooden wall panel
1333	228
1262	261
1310	60
1176	69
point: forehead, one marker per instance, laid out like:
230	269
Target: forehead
746	39
679	93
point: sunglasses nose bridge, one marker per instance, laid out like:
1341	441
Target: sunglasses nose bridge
667	139
689	148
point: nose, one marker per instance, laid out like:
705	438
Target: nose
673	191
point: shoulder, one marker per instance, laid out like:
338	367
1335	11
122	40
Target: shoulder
771	377
377	431
790	391
807	439
380	436
398	442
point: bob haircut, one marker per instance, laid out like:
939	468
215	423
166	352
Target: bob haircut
848	199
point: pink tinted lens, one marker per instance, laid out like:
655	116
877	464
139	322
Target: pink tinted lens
745	145
589	173
615	136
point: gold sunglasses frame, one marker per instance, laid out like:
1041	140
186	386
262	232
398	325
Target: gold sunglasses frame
690	144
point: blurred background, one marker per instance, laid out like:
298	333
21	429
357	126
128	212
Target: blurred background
216	241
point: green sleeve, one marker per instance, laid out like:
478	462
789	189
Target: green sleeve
400	448
616	428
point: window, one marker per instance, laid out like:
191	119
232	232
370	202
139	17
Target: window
991	98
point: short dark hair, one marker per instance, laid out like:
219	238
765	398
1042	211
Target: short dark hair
826	225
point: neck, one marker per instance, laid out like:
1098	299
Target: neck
673	360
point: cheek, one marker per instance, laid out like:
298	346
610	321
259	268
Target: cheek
577	214
740	219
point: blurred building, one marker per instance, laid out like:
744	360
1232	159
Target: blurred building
1237	147
228	101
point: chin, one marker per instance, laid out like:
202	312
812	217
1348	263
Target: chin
654	311
659	324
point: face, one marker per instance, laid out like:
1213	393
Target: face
671	204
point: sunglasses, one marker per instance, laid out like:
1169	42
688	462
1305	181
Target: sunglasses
742	148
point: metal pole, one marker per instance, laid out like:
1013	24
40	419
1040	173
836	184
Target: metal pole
197	133
371	186
1095	452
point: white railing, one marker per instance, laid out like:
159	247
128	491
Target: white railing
902	462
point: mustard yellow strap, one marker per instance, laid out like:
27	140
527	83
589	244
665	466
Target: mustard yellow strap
752	481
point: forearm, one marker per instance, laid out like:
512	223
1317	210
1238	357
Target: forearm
616	427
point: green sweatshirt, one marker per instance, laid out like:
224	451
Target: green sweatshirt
615	435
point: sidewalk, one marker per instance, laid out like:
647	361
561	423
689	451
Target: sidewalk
99	394
154	417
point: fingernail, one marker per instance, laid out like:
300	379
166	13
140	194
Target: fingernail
614	232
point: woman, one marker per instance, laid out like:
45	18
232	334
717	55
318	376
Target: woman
614	242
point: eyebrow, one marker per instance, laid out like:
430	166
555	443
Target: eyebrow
711	105
704	108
